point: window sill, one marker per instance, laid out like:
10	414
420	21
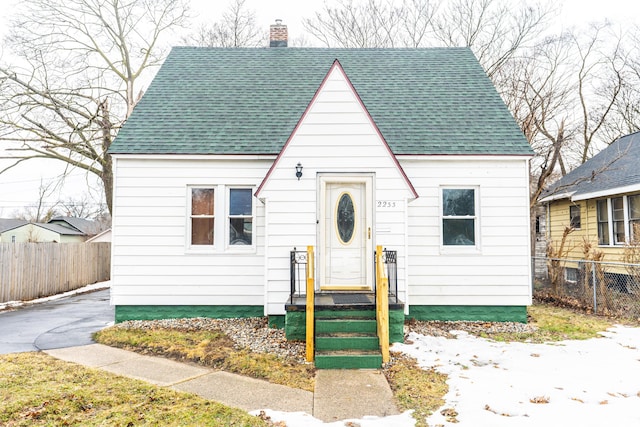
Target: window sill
251	250
460	250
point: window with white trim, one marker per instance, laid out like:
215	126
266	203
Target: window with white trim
202	216
459	217
603	222
618	219
634	217
240	216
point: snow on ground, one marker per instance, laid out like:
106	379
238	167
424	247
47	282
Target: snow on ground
594	382
88	288
302	419
587	383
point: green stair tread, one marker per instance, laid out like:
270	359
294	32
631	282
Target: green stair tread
346	343
351	352
347	335
348	360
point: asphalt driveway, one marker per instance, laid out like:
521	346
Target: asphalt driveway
64	322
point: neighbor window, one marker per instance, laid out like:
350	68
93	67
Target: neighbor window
574	216
618	219
459	217
240	216
603	222
617	216
202	216
634	217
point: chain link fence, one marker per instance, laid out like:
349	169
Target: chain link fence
609	288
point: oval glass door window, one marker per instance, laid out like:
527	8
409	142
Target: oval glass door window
345	218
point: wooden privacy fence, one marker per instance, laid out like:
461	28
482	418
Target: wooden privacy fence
34	270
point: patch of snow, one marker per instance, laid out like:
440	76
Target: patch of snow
302	419
586	383
593	382
89	288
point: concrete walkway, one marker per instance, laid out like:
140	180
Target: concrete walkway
339	394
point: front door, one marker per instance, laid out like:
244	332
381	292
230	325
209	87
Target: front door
345	233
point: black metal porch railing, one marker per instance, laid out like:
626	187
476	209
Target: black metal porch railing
390	260
298	273
298	269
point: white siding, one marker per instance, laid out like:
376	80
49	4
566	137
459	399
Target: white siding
151	261
326	142
499	273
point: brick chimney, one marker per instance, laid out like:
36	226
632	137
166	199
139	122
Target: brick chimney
278	35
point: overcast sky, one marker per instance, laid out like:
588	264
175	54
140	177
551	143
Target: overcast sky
19	187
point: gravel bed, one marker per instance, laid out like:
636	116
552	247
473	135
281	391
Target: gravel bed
444	329
254	333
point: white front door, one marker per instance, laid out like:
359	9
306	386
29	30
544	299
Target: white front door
346	250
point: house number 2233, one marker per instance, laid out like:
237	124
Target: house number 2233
386	203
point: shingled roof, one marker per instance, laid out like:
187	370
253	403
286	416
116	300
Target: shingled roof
613	170
248	101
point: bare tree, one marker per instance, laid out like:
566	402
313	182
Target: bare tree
627	104
494	29
236	28
41	210
600	80
79	73
371	23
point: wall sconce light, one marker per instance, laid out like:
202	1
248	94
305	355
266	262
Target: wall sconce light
299	171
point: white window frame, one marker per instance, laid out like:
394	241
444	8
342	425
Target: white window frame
190	247
475	248
227	219
627	227
631	234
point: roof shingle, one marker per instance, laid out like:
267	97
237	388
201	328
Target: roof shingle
248	101
612	168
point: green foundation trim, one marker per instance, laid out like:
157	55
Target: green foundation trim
295	326
486	313
396	326
276	321
153	312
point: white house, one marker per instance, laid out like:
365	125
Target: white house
234	157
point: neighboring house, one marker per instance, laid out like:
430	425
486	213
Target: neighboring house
85	226
11	229
234	157
599	200
58	230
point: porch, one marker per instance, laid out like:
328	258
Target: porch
345	329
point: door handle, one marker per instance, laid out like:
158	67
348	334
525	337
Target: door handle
369	233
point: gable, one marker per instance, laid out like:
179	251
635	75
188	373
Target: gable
248	101
336	127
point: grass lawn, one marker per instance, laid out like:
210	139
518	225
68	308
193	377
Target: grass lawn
38	390
556	324
212	349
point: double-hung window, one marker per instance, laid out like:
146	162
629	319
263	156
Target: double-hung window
617	216
618	220
574	216
603	222
634	217
459	217
202	216
240	216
